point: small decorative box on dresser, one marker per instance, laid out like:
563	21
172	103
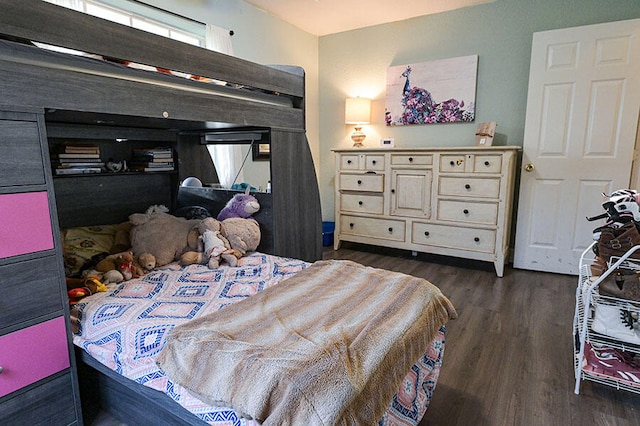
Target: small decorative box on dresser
449	201
38	382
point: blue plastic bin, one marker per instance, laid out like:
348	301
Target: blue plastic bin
327	233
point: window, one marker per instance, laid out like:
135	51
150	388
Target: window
142	16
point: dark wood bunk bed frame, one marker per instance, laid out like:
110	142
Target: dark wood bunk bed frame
80	98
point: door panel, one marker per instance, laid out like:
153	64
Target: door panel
580	131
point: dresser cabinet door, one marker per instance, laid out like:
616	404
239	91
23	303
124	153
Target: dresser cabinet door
29	289
48	404
411	193
22	212
21	160
33	353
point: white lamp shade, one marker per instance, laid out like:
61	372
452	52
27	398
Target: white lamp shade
357	111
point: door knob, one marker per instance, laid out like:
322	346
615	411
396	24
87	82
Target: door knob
529	167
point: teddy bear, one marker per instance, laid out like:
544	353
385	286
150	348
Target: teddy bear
243	236
213	247
163	235
241	205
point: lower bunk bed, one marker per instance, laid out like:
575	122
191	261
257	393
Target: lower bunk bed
381	356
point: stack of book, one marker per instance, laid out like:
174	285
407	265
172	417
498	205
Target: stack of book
152	160
77	158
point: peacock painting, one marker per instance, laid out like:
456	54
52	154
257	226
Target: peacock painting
431	92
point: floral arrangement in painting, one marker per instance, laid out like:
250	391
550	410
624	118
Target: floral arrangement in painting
417	105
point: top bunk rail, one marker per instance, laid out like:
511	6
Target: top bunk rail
48	23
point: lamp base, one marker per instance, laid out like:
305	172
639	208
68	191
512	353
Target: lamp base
358	137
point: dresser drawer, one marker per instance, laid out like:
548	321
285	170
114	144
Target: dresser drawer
29	289
361	182
469	187
51	403
21	162
482	240
468	212
487	163
371	227
33	353
349	162
453	163
362	203
374	162
411	160
19	212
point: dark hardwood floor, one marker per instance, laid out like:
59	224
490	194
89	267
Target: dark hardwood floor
508	356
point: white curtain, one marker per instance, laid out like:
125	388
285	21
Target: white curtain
227	159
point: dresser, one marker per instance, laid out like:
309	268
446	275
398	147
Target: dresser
38	382
447	201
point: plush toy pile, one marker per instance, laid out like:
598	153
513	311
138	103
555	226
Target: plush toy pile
156	238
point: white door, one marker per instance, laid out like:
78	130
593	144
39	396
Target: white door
581	123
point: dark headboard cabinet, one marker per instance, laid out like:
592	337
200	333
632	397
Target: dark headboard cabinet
79	97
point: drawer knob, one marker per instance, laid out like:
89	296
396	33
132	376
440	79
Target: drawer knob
465	211
452	163
359	182
373	162
348	161
360	203
486	163
410	159
426	233
1	369
476	239
390	229
393	191
351	225
467	186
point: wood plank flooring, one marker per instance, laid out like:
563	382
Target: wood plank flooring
508	356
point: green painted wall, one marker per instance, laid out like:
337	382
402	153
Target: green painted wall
354	63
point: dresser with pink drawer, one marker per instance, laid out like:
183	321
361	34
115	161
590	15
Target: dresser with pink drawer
38	381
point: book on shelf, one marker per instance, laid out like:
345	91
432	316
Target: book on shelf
77	170
151	169
79	148
75	155
80	163
151	164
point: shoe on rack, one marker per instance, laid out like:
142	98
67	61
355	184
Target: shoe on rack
609	362
608	321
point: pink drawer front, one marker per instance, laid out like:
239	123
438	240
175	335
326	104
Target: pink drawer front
33	353
22	215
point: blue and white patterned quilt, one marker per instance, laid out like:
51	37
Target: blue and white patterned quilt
126	327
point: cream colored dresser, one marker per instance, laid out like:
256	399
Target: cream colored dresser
448	201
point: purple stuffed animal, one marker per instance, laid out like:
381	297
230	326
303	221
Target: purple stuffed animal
241	205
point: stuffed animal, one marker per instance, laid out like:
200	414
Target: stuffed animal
241	205
163	235
144	263
121	262
77	288
243	236
214	246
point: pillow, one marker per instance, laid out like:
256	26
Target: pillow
82	243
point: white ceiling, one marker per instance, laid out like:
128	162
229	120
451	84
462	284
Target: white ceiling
322	17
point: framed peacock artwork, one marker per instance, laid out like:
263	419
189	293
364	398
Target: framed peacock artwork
439	91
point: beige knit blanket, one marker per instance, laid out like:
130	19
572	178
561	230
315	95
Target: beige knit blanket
328	346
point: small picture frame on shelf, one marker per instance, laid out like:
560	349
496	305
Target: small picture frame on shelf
485	133
261	151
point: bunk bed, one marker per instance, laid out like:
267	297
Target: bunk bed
97	94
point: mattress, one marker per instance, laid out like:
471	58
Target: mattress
126	327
